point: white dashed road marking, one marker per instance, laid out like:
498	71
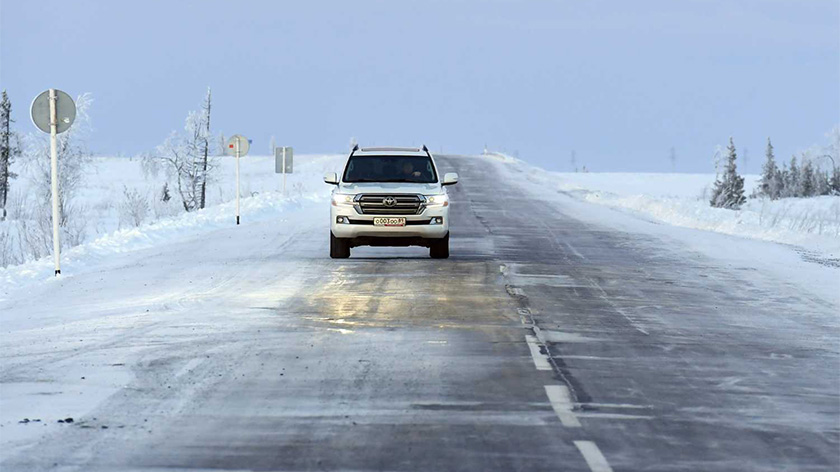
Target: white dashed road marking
540	359
561	401
593	457
558	395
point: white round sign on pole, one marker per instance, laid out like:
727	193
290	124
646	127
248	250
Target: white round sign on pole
237	146
65	111
232	145
53	112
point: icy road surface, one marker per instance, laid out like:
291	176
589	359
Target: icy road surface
559	336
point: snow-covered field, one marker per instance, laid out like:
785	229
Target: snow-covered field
683	200
108	232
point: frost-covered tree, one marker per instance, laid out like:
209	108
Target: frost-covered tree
9	150
187	157
834	182
178	156
792	179
821	184
830	180
672	156
814	181
779	182
204	141
769	186
806	180
728	191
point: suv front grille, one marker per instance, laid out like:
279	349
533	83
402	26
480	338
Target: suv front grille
384	204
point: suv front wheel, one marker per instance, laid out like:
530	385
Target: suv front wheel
339	247
439	249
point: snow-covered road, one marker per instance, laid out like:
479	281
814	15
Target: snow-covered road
559	331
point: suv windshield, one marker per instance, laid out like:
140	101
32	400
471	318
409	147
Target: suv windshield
414	169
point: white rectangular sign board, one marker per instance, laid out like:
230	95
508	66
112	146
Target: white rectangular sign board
278	159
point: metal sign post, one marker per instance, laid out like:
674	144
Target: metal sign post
237	147
53	111
54	181
237	181
284	162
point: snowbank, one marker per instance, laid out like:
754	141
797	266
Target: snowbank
500	156
682	200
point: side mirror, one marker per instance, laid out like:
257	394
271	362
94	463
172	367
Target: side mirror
331	178
450	178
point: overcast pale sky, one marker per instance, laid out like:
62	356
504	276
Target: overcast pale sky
620	82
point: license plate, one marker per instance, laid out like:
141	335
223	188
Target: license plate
389	222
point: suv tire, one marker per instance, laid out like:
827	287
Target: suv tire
439	249
339	247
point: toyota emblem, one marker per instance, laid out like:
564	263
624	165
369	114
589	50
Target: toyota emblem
389	201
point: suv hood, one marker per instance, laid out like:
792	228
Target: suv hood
390	187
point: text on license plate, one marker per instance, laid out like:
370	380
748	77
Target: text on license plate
389	222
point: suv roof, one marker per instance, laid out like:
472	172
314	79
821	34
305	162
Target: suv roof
390	149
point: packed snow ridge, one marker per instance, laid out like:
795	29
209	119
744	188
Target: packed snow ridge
813	224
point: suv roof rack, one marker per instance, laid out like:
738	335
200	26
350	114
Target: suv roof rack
390	148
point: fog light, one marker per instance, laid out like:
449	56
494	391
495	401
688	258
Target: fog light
438	220
342	220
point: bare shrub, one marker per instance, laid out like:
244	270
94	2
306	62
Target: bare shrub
9	255
134	208
74	227
35	239
35	231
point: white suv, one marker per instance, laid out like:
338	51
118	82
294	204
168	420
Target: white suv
389	197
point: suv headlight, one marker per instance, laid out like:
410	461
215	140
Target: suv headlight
437	200
343	199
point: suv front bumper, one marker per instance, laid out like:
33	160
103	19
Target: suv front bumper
417	226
